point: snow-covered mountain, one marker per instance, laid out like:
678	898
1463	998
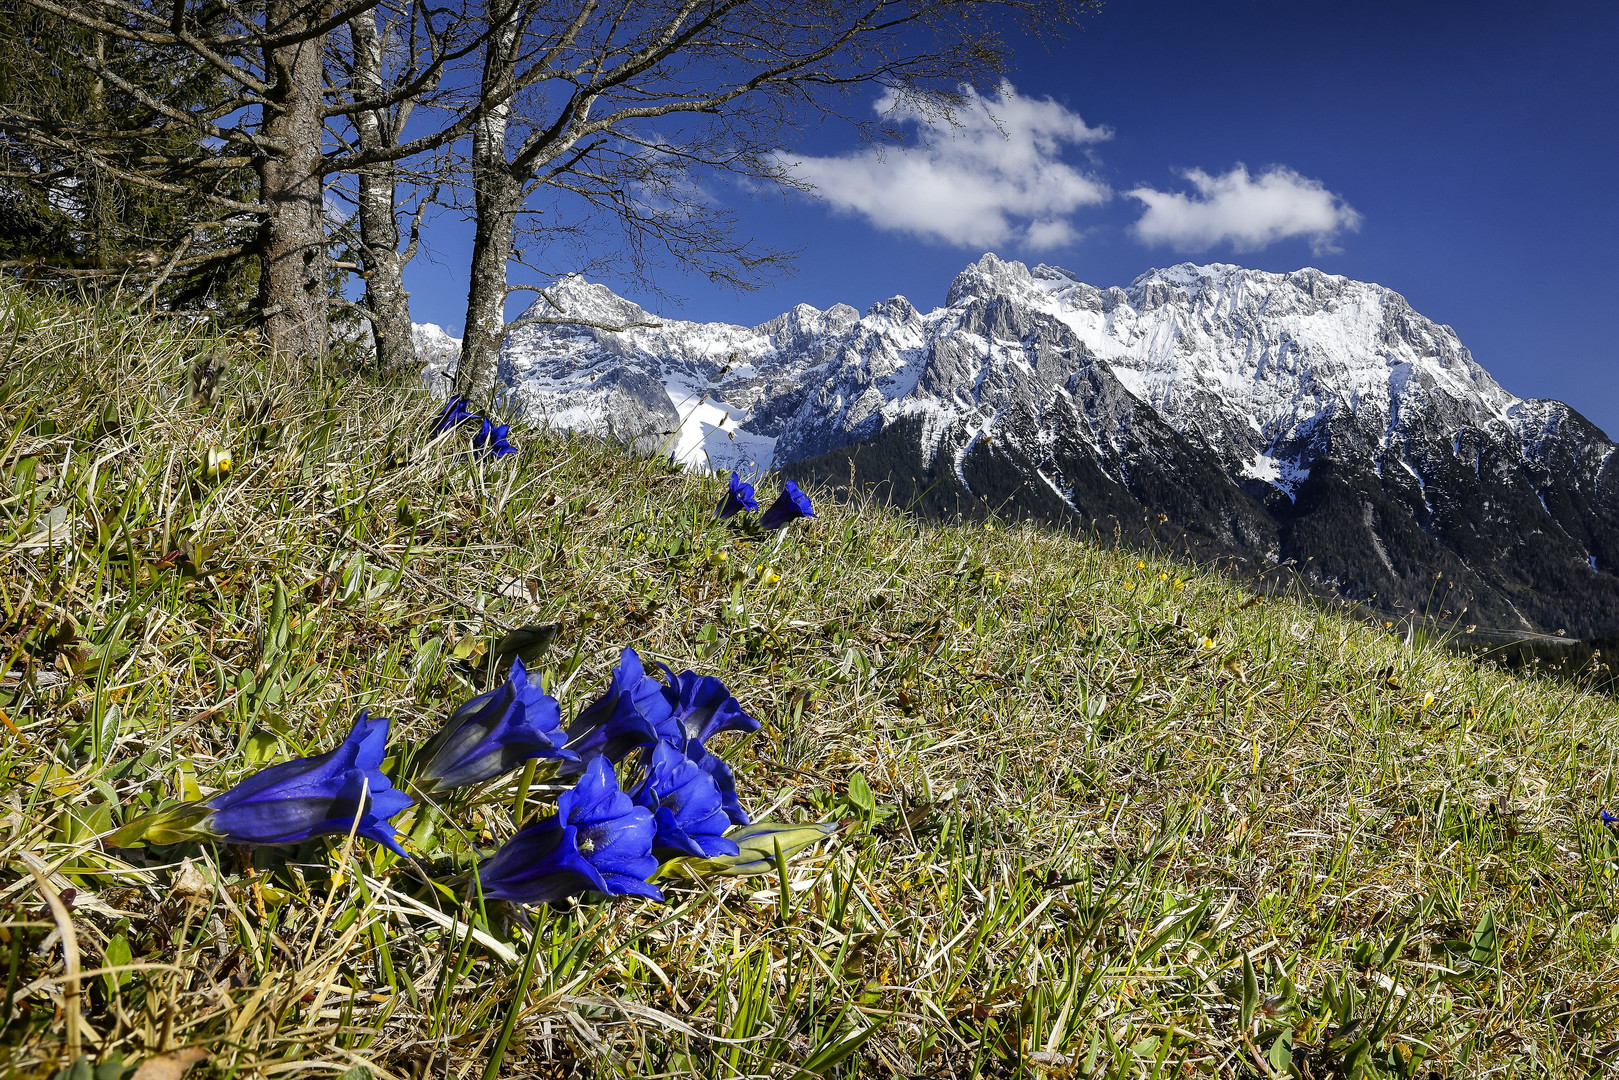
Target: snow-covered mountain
1275	417
437	351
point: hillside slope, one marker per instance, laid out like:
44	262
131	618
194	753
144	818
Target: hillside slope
1300	419
1102	815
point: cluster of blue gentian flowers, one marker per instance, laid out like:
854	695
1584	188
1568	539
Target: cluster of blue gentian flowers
603	838
490	438
789	506
681	815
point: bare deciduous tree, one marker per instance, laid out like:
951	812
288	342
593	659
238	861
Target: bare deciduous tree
607	104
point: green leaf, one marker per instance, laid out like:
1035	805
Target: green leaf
1250	992
1482	946
1280	1056
1354	1059
276	632
116	953
1392	951
828	1056
261	748
860	795
111	1067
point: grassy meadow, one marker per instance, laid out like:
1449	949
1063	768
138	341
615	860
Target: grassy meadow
1102	814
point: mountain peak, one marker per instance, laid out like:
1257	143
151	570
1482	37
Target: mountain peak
989	276
575	296
1302	416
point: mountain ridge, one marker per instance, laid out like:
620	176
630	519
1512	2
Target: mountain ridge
1273	417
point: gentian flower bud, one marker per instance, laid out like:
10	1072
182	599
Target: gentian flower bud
491	439
630	714
789	505
737	499
757	845
296	800
686	807
598	840
493	733
453	415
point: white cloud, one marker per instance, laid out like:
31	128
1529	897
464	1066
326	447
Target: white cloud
1245	211
996	177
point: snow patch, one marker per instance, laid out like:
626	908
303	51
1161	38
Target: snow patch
1283	475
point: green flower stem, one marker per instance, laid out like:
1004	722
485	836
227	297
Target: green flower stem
492	1070
523	785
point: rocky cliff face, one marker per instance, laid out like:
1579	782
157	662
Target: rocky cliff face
1300	419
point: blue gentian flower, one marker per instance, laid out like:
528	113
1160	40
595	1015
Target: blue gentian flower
296	800
687	810
790	505
598	840
630	714
453	415
1610	821
715	766
702	708
491	439
737	499
495	732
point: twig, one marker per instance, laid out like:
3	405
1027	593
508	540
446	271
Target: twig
70	954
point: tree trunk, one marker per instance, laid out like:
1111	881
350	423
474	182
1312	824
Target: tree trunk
386	300
293	280
497	197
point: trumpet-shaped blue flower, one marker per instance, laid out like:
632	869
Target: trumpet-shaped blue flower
687	809
598	840
453	415
495	732
296	800
724	782
630	714
790	505
701	708
737	499
491	439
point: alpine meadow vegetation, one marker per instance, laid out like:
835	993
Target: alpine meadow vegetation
344	737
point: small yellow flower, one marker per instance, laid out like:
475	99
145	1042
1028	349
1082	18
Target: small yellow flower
1427	701
1180	583
989	526
1207	643
1162	576
1142	565
1129	584
217	463
771	577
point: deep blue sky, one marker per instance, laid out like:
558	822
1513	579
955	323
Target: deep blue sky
1478	143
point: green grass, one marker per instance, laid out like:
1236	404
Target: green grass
1104	815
